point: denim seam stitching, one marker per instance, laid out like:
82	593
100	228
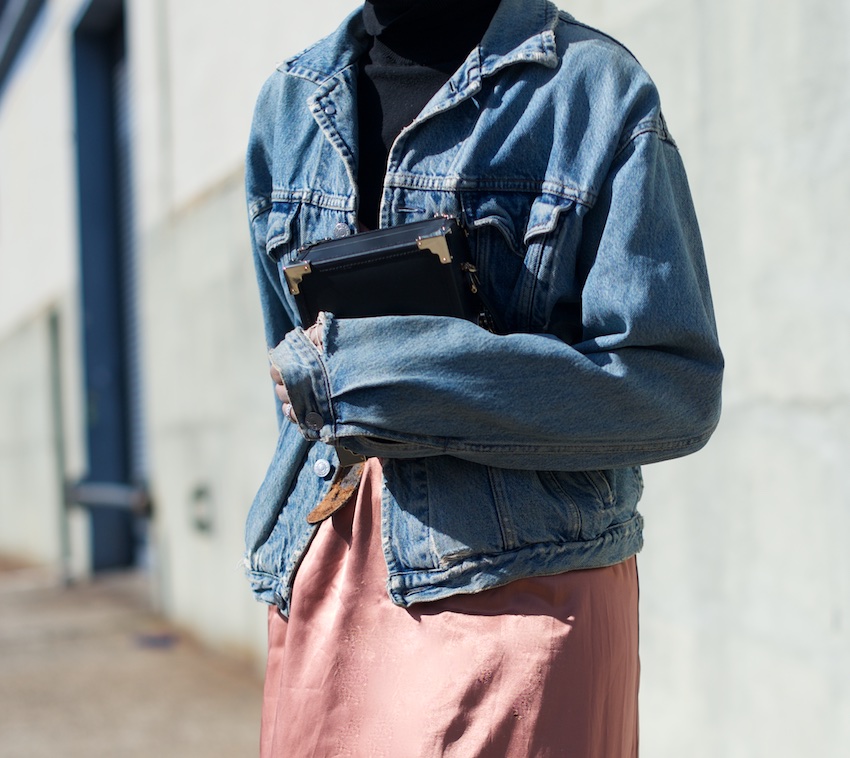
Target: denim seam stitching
621	532
405	180
644	127
314	198
258	207
445	445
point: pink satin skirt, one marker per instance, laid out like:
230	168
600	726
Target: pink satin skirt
545	666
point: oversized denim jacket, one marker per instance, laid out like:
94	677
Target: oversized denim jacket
512	453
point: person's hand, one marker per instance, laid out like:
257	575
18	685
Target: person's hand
282	394
314	334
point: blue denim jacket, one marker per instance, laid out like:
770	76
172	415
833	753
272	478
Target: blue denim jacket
505	454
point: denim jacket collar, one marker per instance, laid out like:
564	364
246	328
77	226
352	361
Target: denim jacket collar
522	31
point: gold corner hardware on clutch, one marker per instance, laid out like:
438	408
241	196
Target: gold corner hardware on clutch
294	274
437	245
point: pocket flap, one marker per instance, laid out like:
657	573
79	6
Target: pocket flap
544	214
279	231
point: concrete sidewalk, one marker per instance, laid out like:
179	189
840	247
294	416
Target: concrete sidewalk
91	672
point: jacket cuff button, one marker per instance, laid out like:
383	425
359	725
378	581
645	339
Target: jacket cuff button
314	421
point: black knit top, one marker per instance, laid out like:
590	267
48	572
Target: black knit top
416	46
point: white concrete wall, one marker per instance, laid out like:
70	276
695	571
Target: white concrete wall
29	517
745	578
38	258
37	225
196	69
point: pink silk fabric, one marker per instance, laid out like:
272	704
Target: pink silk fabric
541	667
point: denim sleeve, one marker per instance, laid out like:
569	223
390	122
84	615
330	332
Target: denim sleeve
641	385
258	184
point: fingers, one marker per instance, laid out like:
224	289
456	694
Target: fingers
279	388
275	374
289	413
314	333
282	393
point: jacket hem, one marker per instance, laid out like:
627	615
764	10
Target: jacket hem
479	573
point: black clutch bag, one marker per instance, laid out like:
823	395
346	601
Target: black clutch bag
421	268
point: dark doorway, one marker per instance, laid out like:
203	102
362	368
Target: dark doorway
108	289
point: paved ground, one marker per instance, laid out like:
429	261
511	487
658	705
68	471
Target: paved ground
90	672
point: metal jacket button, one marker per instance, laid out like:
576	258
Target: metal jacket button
341	230
322	468
330	109
314	421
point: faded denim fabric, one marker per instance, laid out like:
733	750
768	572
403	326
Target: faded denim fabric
507	454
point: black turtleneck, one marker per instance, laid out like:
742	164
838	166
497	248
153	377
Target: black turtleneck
416	46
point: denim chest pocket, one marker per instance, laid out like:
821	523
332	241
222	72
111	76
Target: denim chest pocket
282	239
292	225
525	248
